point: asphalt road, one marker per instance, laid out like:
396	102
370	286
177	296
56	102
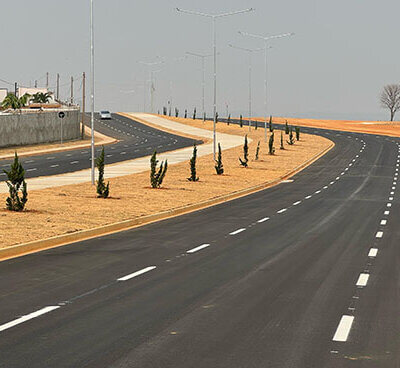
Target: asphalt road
135	140
304	274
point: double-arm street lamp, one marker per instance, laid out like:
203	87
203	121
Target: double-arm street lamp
266	39
214	18
250	53
203	83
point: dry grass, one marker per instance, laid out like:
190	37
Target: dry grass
61	210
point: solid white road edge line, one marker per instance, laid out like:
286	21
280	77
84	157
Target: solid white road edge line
343	330
237	231
194	250
362	279
137	273
28	317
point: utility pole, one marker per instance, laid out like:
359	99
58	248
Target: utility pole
83	103
58	87
35	83
72	90
47	80
92	88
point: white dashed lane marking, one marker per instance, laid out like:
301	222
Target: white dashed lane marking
373	252
362	280
343	330
237	231
194	250
137	273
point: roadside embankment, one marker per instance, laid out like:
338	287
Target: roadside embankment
73	212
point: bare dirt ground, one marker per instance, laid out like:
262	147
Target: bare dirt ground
67	209
373	127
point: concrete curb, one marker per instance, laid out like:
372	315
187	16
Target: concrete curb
57	241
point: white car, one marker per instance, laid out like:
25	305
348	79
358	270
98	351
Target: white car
105	115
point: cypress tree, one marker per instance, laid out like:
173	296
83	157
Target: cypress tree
271	128
245	153
241	121
185	113
102	189
229	119
176	112
282	147
286	127
256	124
193	173
157	177
297	133
257	150
219	168
204	117
216	117
271	144
16	183
194	114
291	139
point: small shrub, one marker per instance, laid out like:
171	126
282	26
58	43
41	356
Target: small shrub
291	138
297	133
219	168
157	177
16	182
103	190
193	173
271	128
271	144
241	121
257	150
282	146
245	153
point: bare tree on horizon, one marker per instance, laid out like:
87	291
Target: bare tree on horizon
390	98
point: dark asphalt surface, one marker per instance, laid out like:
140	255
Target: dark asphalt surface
270	296
135	140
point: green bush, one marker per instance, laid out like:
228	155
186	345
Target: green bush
103	190
245	160
193	173
219	168
297	133
16	182
271	128
157	177
291	139
257	150
271	144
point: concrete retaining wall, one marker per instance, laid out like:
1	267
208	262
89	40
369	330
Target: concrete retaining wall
38	127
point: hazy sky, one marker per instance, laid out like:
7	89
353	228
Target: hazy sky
343	52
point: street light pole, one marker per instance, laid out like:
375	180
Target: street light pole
149	65
266	39
92	88
214	26
250	53
203	83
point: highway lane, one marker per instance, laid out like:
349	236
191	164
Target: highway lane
275	273
135	140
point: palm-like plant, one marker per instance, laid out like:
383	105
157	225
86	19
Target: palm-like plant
41	97
13	102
